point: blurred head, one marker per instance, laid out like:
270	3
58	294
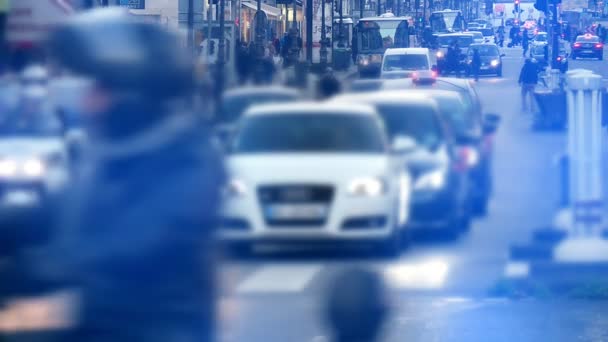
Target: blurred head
357	306
123	57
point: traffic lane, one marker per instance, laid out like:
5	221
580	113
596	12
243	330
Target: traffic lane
525	199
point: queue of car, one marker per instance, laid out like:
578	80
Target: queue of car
370	167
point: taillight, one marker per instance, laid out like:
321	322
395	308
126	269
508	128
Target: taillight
434	74
576	45
599	46
559	58
468	157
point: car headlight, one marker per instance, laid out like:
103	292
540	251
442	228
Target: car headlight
370	187
33	167
440	54
433	180
495	62
8	168
235	188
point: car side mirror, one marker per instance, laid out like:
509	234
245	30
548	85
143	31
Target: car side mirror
503	55
491	123
403	144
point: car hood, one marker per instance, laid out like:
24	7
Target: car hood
290	168
28	147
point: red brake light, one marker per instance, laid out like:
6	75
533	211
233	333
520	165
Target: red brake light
415	75
559	58
577	44
434	74
599	45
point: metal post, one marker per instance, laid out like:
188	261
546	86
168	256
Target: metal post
323	50
221	52
379	7
555	40
190	26
586	170
423	13
341	27
309	15
398	8
294	15
361	6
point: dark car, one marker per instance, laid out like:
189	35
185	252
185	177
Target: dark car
440	199
479	135
491	59
235	103
444	41
365	85
588	45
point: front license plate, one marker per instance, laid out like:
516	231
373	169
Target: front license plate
21	198
296	211
485	68
587	51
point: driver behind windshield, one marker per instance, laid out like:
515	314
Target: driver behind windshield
33	115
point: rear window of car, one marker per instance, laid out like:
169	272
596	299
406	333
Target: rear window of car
234	107
484	50
455	112
416	121
585	39
463	41
406	62
310	133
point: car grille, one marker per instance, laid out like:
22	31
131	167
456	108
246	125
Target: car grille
295	194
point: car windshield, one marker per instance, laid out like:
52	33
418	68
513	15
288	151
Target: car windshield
416	121
484	50
463	41
476	34
455	111
234	107
38	124
486	32
406	62
588	39
309	133
541	38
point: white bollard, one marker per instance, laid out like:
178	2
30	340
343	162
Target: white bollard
585	152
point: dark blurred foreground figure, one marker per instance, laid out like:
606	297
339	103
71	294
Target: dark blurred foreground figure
329	85
357	306
138	235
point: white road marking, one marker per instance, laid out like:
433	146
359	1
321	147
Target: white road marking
427	275
288	278
517	270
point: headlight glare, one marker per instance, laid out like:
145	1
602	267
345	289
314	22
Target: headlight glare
236	188
33	168
430	181
8	168
495	62
439	54
370	187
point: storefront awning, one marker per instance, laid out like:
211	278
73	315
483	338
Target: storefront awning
270	11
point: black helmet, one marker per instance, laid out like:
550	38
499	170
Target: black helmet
123	53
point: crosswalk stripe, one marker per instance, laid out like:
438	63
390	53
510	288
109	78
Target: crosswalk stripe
286	278
427	275
517	270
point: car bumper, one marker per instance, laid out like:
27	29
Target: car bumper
587	53
348	219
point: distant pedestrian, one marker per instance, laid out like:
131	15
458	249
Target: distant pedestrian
528	78
476	64
242	61
329	85
525	42
277	46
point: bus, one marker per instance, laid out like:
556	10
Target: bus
372	36
446	21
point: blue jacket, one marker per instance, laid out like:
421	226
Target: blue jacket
139	237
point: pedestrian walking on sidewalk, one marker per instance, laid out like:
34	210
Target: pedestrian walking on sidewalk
528	78
476	64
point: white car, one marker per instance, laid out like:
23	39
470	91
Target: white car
315	172
477	36
404	62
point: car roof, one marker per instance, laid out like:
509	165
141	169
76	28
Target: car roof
406	51
257	90
312	108
587	36
441	83
482	44
389	97
454	34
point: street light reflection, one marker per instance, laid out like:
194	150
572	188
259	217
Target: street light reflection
426	275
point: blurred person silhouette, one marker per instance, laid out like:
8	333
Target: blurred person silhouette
525	42
476	63
242	61
328	85
528	78
356	307
136	231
